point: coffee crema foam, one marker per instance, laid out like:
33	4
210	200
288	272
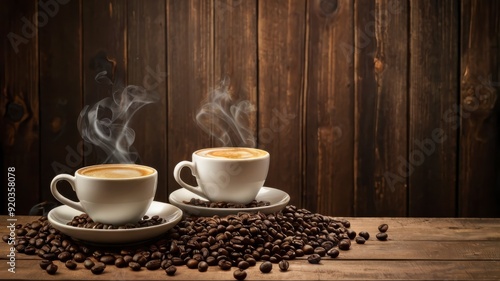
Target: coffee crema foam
115	172
232	153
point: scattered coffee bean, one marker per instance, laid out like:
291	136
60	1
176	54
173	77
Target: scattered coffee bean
266	267
333	253
79	257
320	251
170	271
382	236
225	265
351	234
88	263
44	264
360	240
383	227
51	269
120	262
284	265
202	266
208	204
153	264
135	266
64	256
314	259
239	274
71	264
107	259
192	263
243	265
344	244
84	221
98	268
364	234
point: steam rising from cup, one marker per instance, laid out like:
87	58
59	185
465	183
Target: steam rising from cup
106	123
225	120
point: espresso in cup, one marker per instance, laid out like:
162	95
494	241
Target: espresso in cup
111	193
226	174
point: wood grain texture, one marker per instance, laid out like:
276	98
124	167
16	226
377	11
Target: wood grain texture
235	55
381	51
190	67
433	91
329	109
61	147
19	103
146	63
281	30
479	183
104	49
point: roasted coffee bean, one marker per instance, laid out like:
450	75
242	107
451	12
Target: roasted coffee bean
98	268
364	234
251	261
344	244
239	274
382	236
120	262
71	264
51	269
225	264
351	234
314	259
383	228
88	263
320	251
153	264
266	267
243	265
192	263
107	259
64	256
360	240
44	264
308	249
333	253
284	265
135	266
79	257
202	266
170	271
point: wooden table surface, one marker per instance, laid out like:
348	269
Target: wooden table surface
417	249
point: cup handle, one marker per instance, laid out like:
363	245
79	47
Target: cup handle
59	196
177	176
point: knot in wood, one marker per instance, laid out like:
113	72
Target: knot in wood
15	111
328	7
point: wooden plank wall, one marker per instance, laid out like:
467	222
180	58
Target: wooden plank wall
368	107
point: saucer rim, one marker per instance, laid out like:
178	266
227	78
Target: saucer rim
174	217
284	201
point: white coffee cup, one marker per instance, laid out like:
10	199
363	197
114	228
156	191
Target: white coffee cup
226	174
111	193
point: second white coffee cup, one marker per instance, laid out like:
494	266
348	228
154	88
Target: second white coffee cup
226	174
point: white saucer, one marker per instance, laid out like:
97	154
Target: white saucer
61	215
276	197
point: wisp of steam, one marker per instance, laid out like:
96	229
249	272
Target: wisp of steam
225	120
106	123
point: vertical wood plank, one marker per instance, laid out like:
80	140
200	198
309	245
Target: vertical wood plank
61	89
19	103
329	186
104	49
281	78
479	189
190	70
432	156
381	51
147	68
235	53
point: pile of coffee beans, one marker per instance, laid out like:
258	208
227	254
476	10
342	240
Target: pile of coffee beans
209	204
84	221
235	241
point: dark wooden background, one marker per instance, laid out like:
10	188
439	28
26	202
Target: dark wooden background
368	108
